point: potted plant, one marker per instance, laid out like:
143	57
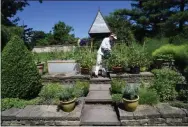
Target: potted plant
134	60
40	65
130	98
67	99
86	62
117	62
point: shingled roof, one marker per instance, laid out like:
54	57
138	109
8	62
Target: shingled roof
99	25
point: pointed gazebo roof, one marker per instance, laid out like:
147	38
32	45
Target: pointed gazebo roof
99	26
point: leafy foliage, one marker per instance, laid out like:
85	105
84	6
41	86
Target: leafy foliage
183	95
137	56
7	103
83	86
118	56
117	98
67	94
117	85
85	57
49	93
164	83
20	78
121	27
148	96
131	92
8	32
178	53
62	34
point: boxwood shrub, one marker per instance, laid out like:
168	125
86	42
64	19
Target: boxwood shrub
20	77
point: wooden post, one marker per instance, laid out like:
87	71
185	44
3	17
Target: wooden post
91	44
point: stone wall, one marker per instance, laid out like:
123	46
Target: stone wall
68	79
159	115
39	49
134	78
46	115
64	79
43	115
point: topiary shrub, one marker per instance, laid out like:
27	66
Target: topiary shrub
20	77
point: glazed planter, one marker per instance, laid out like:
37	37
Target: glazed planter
68	106
85	71
117	69
135	70
143	69
130	105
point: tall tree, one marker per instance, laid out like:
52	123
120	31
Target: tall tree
9	8
151	17
121	26
61	33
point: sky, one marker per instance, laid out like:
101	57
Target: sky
78	14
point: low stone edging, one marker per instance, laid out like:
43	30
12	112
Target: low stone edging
159	115
43	115
71	79
134	78
64	79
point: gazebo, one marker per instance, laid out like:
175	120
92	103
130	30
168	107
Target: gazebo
99	28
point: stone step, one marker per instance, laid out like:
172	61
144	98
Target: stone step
99	87
99	115
98	97
100	80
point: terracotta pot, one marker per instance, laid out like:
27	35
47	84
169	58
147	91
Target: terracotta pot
117	69
68	106
135	70
84	70
40	68
130	105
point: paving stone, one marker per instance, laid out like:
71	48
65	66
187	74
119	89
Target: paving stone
157	120
10	113
134	122
100	80
50	112
185	120
98	87
145	111
185	110
124	115
99	115
173	120
67	123
168	111
98	96
32	112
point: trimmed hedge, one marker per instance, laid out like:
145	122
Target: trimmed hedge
20	77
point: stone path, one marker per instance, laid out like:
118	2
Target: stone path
99	93
100	112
